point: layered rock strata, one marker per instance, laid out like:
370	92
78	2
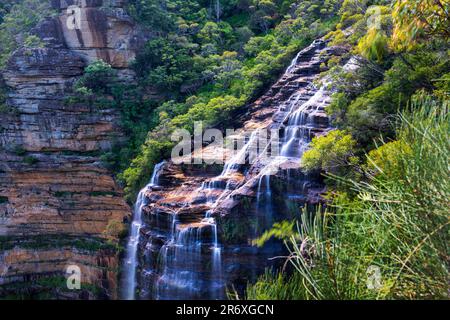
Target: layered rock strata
57	201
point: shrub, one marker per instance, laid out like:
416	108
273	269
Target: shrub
385	159
116	230
19	150
397	226
332	153
374	45
98	77
33	41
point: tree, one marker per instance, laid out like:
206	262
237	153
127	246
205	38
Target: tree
152	13
168	64
416	21
374	45
265	15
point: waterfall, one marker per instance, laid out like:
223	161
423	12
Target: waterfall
217	260
182	264
266	195
238	159
218	10
297	123
188	260
177	281
131	261
293	63
231	166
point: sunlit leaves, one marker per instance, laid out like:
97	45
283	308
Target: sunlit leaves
374	45
330	152
418	20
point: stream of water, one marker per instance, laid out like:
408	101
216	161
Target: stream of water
131	260
190	261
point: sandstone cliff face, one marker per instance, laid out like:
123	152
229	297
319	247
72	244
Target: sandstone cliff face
53	189
200	221
106	32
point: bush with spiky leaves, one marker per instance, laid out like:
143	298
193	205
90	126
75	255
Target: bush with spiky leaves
397	224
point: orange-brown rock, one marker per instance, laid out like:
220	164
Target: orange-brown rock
52	182
98	269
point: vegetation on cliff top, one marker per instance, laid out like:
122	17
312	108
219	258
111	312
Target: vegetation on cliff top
17	18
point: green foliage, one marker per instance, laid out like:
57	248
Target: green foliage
443	86
100	87
44	288
389	74
418	21
33	41
167	64
393	214
19	150
140	169
276	287
280	230
116	230
3	106
5	6
333	153
30	160
168	15
46	242
365	109
398	224
16	21
385	159
374	45
235	231
98	77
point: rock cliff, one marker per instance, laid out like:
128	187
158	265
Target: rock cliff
57	201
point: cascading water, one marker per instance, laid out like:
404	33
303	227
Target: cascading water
131	261
264	196
178	280
182	264
299	125
182	259
187	259
231	166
